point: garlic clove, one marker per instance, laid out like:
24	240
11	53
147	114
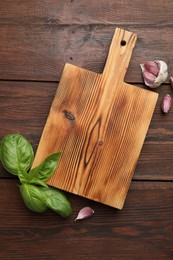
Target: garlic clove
85	212
152	67
149	78
166	103
154	73
171	81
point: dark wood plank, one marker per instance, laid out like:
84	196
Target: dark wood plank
25	106
36	51
143	228
81	12
155	162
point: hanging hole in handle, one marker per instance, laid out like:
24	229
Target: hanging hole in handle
123	43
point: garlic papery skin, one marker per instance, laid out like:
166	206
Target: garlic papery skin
154	73
85	212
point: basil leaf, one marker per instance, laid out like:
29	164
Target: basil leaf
45	170
16	153
34	198
57	201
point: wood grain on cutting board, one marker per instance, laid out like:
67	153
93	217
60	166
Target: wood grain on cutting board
99	123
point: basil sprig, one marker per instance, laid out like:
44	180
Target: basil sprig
16	155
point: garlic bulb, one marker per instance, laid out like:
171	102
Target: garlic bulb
154	73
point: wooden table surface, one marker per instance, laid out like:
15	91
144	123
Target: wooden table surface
37	38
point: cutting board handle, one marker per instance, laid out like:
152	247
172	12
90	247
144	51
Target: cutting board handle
119	55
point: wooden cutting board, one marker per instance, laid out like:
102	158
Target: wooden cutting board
99	122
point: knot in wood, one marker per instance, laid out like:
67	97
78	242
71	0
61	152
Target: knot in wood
69	115
100	143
